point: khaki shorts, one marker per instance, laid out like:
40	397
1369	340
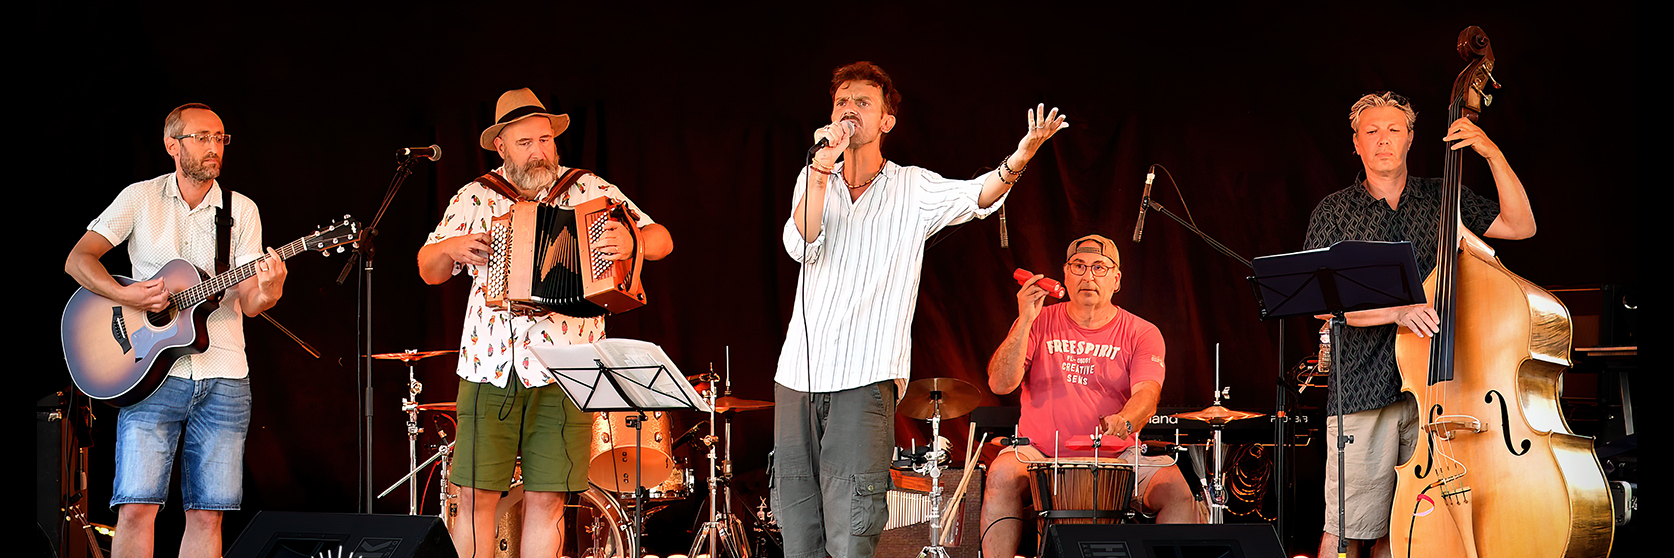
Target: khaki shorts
1383	438
496	425
1150	465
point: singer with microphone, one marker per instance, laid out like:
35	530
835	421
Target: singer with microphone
1084	365
858	228
508	403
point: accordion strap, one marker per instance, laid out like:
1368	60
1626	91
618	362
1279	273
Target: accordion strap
495	182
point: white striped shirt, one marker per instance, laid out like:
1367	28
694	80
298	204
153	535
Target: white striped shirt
158	227
861	276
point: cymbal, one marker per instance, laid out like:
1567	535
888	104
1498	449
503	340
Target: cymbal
1217	414
412	357
958	398
447	407
730	403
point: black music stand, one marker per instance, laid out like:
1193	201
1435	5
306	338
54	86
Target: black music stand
622	375
1348	276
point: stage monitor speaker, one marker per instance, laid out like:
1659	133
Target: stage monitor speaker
1243	540
275	534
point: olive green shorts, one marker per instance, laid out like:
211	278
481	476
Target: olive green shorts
496	425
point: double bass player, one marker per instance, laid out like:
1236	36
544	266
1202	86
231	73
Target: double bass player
1390	205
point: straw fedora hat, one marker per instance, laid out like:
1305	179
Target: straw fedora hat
516	105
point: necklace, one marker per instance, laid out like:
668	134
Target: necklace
874	177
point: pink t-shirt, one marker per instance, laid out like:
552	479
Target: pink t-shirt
1075	375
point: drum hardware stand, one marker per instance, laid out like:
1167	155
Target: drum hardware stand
1216	483
410	405
932	467
766	529
723	531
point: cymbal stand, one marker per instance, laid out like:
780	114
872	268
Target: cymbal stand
722	529
1217	453
410	405
932	468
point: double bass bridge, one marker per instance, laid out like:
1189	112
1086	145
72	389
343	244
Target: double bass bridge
1446	427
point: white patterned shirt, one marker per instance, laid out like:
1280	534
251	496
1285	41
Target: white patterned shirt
859	279
155	221
494	343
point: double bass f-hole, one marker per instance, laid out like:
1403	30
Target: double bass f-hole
1505	419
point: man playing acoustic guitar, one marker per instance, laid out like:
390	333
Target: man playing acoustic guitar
207	395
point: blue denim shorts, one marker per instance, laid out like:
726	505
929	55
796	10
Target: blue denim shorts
215	416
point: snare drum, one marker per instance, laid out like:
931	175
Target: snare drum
615	453
1081	492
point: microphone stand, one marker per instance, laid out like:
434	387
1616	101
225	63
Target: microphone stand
1281	402
364	254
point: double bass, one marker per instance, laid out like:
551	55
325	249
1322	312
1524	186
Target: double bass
1496	471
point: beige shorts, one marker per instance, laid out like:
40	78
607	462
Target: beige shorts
1150	465
1383	438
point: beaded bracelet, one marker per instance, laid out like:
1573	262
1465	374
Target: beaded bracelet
1006	164
816	166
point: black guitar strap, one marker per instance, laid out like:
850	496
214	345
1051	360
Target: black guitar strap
223	232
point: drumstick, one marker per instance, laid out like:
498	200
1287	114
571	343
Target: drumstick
959	494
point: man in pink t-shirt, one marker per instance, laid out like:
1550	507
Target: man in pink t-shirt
1085	365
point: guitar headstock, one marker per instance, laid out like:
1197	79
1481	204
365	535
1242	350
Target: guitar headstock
340	233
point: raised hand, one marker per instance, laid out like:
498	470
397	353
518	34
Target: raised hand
1042	126
1030	299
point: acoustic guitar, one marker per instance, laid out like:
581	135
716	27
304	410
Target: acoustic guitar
120	355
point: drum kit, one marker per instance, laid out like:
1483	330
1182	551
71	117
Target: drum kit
600	521
1069	490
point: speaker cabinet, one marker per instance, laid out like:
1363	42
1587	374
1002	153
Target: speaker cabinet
275	534
1245	540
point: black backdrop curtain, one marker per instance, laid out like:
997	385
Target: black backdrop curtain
701	115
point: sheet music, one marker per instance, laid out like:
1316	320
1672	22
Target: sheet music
650	380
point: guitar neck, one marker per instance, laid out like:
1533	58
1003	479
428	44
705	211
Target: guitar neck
215	285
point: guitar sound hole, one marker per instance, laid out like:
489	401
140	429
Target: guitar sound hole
161	319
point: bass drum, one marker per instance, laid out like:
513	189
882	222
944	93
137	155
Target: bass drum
594	525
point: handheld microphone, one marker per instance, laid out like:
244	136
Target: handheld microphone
1053	288
433	153
826	142
1144	204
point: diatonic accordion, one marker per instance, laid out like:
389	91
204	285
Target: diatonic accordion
544	259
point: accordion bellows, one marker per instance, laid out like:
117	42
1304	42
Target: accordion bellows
543	259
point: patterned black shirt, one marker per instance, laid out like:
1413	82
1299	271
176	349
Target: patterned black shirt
1364	357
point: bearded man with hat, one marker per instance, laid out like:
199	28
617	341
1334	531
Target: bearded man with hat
1084	365
508	403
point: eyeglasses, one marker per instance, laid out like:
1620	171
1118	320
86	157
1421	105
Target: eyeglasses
1099	269
222	139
